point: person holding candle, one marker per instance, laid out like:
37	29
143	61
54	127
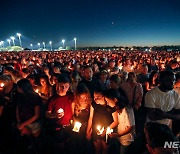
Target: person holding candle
45	89
126	122
101	117
82	102
28	111
61	121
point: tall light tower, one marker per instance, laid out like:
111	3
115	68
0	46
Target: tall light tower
44	45
75	39
31	46
2	43
39	44
13	38
63	41
9	41
19	36
50	42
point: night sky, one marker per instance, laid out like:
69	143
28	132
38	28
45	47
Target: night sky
93	22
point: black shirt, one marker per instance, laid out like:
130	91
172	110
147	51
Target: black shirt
26	105
92	85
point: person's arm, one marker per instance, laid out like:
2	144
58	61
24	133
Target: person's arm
128	130
50	91
72	106
89	127
158	114
155	114
174	114
32	119
137	105
115	118
147	86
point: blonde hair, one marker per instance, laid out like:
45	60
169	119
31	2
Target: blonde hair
81	89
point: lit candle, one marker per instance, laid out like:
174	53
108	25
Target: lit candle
178	59
37	90
77	127
120	67
60	110
108	131
100	130
2	85
108	70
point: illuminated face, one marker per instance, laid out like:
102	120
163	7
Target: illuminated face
62	88
112	64
144	70
88	73
128	62
83	97
99	98
110	102
43	82
103	76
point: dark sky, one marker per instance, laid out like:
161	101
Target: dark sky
93	22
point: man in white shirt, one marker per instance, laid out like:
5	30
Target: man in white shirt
162	102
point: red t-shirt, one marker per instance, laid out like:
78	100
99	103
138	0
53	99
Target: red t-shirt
64	102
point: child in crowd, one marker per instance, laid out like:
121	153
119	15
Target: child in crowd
126	122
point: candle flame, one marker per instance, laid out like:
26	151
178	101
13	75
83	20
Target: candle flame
60	110
109	130
2	85
37	90
101	130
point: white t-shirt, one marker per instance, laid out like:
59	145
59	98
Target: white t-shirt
126	119
166	101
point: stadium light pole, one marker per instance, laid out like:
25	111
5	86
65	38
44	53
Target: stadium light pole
44	45
19	36
39	44
2	43
9	41
31	46
75	39
63	41
50	42
13	38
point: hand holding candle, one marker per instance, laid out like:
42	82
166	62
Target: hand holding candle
77	127
60	113
108	132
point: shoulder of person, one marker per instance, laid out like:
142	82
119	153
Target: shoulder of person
155	90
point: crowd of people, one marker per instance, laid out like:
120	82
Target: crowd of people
89	102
